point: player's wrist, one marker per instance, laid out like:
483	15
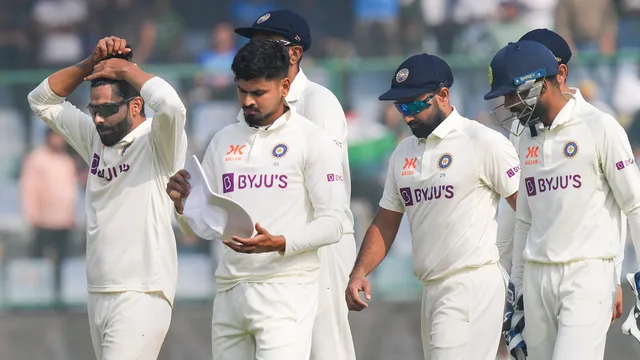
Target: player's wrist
281	243
358	273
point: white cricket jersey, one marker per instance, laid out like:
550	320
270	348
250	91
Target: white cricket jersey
289	177
318	104
449	185
130	240
576	176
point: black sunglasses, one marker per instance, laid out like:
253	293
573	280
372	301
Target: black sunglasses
107	109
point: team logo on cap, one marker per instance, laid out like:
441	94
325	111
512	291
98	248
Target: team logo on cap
279	150
402	75
490	76
297	38
445	161
570	149
263	18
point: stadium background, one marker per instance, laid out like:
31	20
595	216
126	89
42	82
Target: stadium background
357	45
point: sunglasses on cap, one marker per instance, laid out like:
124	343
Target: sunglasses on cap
107	109
285	43
415	107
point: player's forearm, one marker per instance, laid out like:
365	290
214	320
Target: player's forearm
506	227
136	77
64	82
633	217
373	250
322	231
520	234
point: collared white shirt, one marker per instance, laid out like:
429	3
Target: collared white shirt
130	241
449	185
318	104
577	176
289	177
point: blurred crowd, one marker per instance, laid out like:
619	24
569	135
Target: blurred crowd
43	180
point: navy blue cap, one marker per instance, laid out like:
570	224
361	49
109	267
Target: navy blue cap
417	75
517	63
553	41
283	22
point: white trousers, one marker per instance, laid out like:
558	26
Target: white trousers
264	321
462	315
567	309
128	325
332	338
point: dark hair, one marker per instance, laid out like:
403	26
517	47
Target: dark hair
261	59
120	87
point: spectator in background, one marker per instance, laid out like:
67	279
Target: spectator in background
126	19
14	38
590	26
629	24
216	63
589	91
376	27
48	191
247	11
59	25
166	32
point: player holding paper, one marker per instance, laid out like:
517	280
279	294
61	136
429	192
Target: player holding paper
131	248
287	173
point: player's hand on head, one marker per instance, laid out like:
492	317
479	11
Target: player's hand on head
262	242
110	69
357	284
178	188
109	46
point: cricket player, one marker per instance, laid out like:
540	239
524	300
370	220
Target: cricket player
332	338
448	178
562	52
568	221
287	173
131	248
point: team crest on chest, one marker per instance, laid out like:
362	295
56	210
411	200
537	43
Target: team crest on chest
279	151
570	149
445	161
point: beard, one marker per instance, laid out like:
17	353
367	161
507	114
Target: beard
253	117
539	114
422	129
111	134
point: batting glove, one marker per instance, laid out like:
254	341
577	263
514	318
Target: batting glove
632	325
513	324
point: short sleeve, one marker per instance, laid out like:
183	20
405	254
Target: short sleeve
498	163
391	196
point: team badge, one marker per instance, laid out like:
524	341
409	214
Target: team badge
402	75
279	150
490	76
445	161
570	149
263	18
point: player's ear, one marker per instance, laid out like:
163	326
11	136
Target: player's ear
563	71
285	85
295	54
136	105
443	96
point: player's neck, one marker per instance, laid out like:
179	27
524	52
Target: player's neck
276	115
554	107
135	122
293	72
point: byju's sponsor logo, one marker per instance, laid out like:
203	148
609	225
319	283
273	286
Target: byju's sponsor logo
623	164
334	177
541	185
513	171
235	182
415	196
109	173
